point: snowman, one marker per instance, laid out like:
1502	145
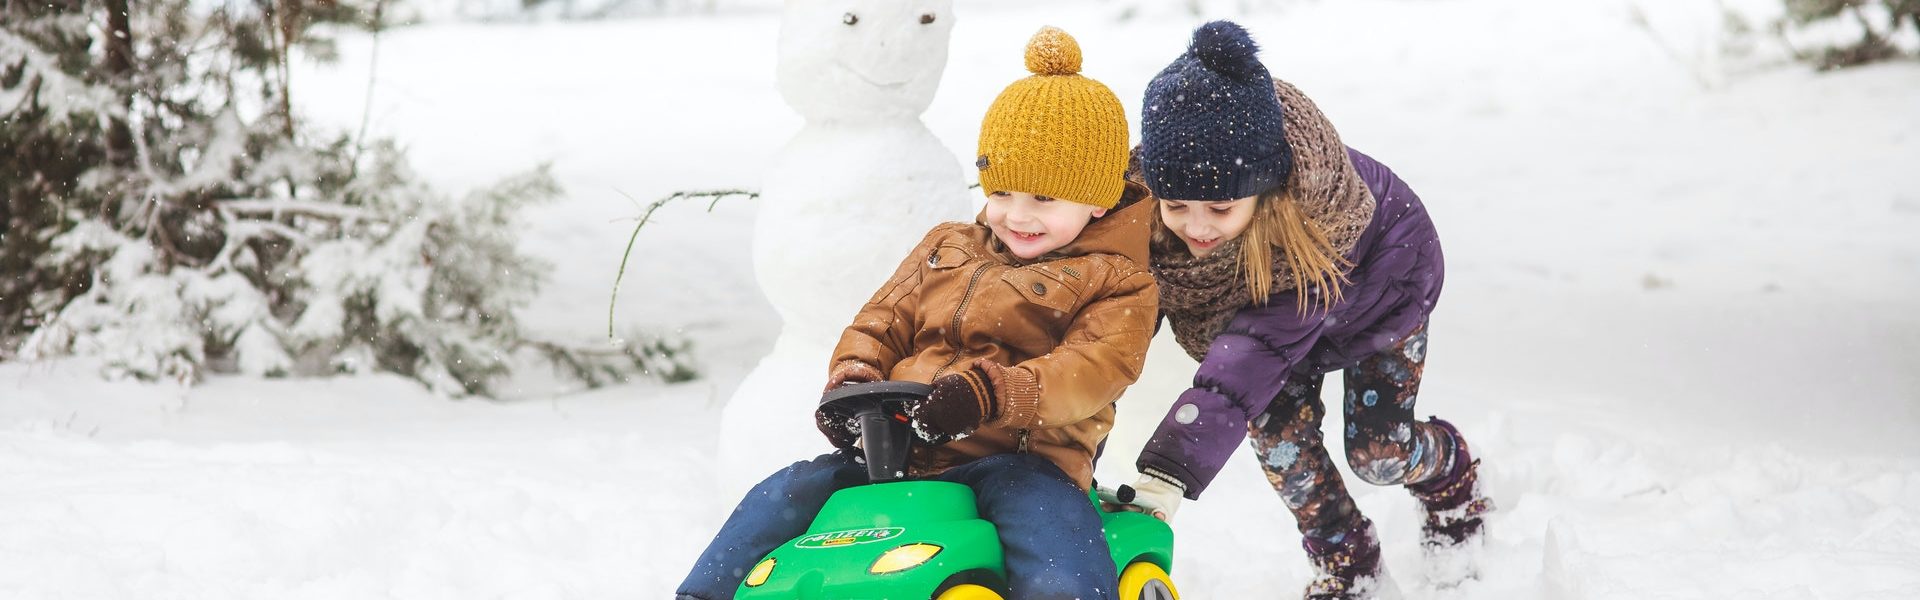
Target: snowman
843	203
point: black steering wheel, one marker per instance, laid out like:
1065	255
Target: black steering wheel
878	410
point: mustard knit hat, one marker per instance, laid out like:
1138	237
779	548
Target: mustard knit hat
1055	133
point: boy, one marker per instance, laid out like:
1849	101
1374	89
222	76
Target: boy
1028	324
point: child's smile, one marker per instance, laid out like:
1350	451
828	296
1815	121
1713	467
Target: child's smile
1023	236
1205	225
1032	225
1203	244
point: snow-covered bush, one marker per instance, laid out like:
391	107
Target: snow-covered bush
1847	33
165	211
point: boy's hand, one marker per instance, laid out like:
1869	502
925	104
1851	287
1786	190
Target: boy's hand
960	402
1148	494
851	371
839	427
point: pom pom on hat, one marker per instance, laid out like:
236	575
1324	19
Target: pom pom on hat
1224	46
1053	52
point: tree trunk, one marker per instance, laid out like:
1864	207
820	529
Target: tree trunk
287	21
119	68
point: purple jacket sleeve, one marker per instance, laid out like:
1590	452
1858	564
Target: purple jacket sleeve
1245	367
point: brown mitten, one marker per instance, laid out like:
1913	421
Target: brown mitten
959	404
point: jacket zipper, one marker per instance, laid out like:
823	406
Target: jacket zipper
953	329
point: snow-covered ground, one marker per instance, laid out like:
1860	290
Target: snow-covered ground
1681	322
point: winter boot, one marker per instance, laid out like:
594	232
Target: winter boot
1455	505
1348	567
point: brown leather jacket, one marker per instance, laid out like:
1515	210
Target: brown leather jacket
1072	327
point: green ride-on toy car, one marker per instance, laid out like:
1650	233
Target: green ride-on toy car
904	539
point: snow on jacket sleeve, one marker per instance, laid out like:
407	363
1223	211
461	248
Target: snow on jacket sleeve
1246	365
882	333
1100	355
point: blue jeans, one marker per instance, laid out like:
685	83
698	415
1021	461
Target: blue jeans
1050	533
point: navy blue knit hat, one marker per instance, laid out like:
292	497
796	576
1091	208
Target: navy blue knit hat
1211	128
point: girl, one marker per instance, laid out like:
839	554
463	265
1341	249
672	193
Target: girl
1283	255
1028	323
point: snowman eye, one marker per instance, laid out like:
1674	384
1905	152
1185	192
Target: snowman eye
926	19
849	18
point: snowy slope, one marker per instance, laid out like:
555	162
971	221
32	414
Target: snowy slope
1679	323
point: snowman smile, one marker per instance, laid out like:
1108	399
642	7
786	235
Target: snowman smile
870	81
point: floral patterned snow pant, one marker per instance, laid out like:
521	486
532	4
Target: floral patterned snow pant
1384	444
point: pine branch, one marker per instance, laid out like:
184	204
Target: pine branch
242	231
1872	36
281	206
716	195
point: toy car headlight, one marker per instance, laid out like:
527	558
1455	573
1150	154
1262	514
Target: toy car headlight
760	573
903	558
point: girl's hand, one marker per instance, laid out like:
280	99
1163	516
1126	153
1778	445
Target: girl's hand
1148	495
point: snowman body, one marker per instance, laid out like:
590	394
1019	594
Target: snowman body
844	202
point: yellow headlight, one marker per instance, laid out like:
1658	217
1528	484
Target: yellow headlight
903	558
760	573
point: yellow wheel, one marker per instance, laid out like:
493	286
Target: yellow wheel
969	592
1146	581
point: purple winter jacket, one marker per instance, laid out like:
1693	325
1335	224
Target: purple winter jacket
1392	287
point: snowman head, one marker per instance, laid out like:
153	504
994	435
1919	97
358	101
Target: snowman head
860	59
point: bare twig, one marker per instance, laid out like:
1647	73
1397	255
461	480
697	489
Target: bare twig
648	214
366	109
1638	17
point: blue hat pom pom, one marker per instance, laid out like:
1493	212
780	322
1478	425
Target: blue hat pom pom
1225	47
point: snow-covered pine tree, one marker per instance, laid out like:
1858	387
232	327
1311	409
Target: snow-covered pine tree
165	211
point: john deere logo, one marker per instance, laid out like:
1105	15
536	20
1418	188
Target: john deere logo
836	539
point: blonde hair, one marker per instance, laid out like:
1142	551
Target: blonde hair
1278	222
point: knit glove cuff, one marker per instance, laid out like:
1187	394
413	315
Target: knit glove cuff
1153	494
1018	391
960	402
